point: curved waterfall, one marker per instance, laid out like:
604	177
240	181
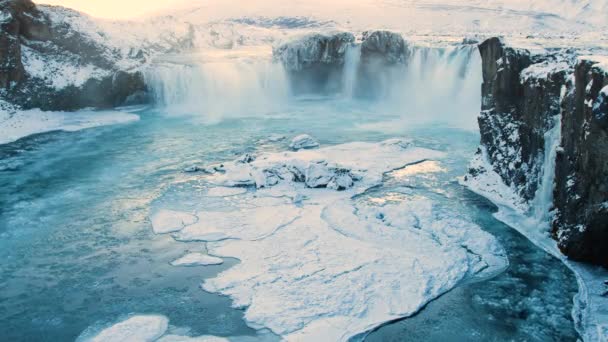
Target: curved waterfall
440	84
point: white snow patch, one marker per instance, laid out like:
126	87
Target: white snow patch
19	124
168	221
489	184
602	61
197	259
328	266
204	338
542	70
59	73
137	328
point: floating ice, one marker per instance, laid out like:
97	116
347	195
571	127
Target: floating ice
204	338
167	221
137	328
144	328
317	263
225	191
303	141
197	259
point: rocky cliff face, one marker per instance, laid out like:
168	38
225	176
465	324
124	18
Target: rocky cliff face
581	188
52	66
316	62
524	97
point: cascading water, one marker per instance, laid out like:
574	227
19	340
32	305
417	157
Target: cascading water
217	88
352	61
438	84
435	84
543	199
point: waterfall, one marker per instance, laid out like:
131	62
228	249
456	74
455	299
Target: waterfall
352	61
219	87
543	199
434	84
438	84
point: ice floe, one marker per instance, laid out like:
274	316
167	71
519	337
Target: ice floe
197	259
141	328
318	262
167	221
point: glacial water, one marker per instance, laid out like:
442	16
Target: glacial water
77	247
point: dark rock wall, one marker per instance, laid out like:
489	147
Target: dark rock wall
27	26
315	62
581	192
522	95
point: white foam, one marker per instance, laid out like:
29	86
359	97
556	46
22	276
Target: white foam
167	221
20	124
197	259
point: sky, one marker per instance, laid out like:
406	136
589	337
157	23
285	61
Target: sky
114	9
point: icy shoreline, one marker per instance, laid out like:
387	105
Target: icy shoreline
590	312
319	260
20	124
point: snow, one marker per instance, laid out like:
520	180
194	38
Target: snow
225	191
197	259
143	328
15	125
59	72
137	328
166	221
543	70
489	184
318	263
204	338
602	61
589	311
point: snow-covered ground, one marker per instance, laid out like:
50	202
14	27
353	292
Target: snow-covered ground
316	262
16	124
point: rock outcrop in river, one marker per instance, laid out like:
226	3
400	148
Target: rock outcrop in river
53	66
524	97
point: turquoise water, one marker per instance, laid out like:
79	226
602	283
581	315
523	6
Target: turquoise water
77	249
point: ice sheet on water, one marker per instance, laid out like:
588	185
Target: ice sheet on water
136	328
167	221
319	263
19	124
197	259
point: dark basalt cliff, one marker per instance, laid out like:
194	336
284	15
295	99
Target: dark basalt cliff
316	62
523	96
581	187
23	26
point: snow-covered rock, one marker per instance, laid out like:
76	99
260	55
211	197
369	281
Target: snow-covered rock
48	63
314	50
303	141
385	46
